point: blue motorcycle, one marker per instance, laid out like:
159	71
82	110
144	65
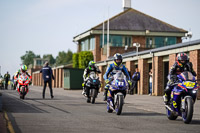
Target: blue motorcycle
117	93
183	97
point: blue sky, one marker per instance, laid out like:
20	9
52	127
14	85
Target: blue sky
48	26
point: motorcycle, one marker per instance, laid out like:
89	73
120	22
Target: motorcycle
23	83
117	93
92	87
183	97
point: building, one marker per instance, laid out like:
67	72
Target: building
160	61
128	27
159	44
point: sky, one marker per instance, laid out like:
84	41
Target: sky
48	26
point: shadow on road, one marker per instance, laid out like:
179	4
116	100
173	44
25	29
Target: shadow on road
13	105
44	104
195	122
100	103
141	114
40	99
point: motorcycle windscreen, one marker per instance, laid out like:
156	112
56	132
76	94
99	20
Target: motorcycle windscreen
187	76
92	75
119	76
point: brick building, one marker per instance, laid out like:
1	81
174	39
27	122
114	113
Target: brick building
128	27
160	61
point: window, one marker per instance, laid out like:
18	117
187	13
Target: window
155	42
38	62
82	46
85	45
117	40
101	40
92	43
127	41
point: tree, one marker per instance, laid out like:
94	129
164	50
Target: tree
50	58
64	58
27	59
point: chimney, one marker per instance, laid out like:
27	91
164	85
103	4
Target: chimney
126	4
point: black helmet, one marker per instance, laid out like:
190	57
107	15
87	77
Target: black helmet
182	58
117	56
91	65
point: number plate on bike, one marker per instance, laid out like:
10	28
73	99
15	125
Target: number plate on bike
120	83
189	84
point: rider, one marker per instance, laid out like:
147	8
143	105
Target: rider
91	68
6	78
23	70
182	64
112	69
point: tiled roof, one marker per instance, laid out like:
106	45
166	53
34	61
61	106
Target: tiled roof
133	20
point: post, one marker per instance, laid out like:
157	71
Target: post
103	36
108	35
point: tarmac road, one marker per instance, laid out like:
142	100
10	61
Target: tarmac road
69	112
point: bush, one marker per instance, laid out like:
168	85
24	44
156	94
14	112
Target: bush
75	60
84	58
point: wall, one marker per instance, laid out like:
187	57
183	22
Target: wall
140	39
195	59
144	75
158	80
97	49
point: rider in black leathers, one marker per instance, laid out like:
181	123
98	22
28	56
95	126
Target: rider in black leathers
182	64
91	68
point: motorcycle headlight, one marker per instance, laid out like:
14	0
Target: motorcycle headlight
194	91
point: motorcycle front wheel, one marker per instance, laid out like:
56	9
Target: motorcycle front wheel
94	95
119	104
188	113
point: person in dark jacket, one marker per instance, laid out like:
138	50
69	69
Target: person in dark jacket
135	79
6	78
182	64
47	76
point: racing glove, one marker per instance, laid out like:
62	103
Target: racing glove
107	81
129	82
30	83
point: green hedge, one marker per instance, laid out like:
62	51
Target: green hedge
75	60
81	60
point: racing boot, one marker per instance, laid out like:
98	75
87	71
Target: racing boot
106	92
84	90
166	99
105	95
88	100
110	107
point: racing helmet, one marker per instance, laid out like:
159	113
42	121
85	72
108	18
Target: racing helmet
182	58
117	59
23	68
91	65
